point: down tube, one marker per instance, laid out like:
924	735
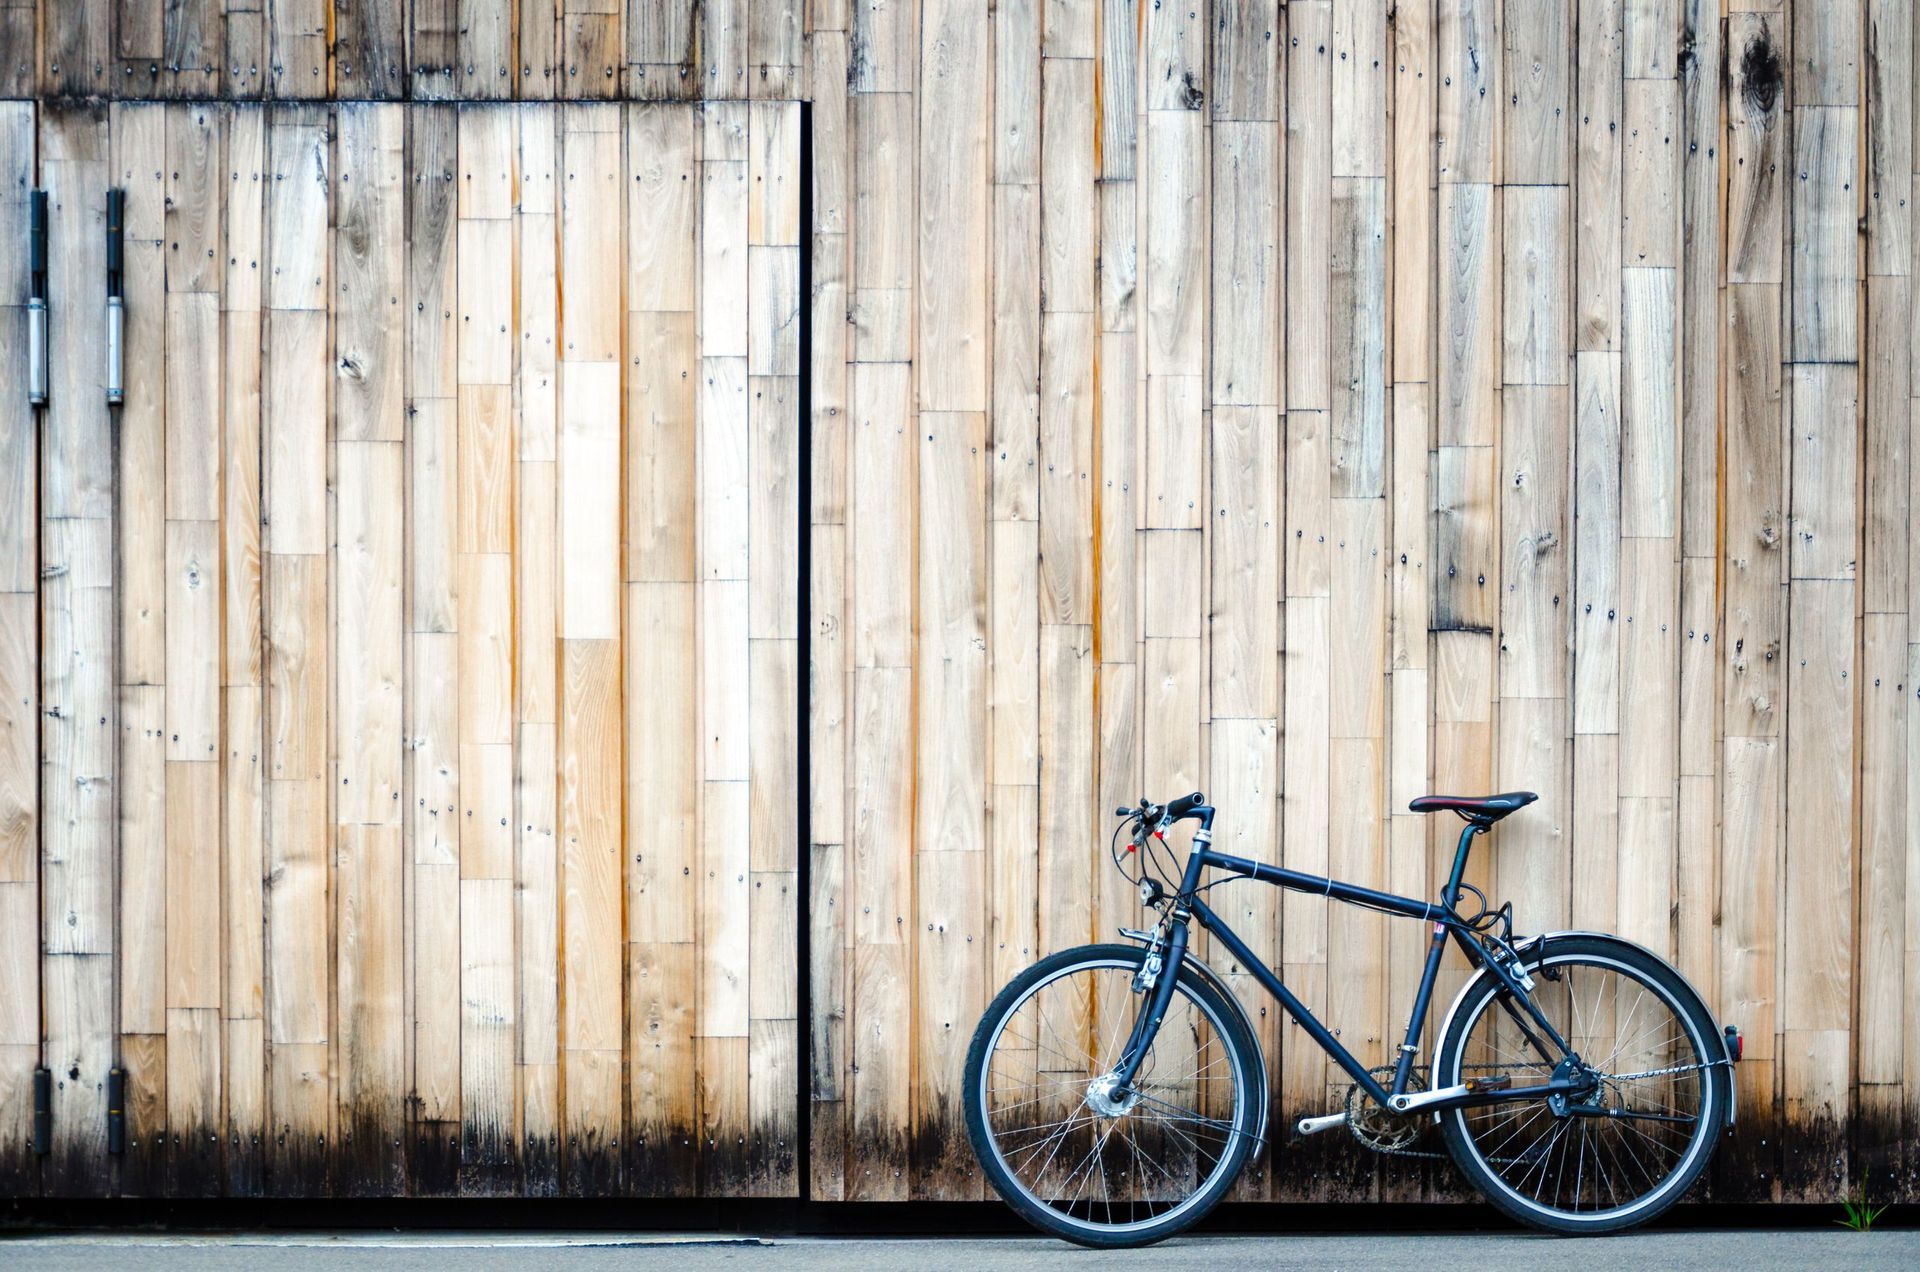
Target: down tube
1294	1007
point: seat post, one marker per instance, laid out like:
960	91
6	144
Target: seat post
1452	895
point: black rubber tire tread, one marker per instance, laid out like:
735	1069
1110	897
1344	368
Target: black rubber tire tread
1718	1087
1238	1037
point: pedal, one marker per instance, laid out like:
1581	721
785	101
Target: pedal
1314	1125
1498	1083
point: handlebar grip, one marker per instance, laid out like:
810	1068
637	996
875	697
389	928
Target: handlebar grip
1184	805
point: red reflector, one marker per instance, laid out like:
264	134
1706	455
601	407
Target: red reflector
1739	1046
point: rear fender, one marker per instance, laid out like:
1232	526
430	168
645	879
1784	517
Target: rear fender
1534	949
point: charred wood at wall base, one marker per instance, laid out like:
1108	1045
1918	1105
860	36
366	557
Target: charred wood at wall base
944	1166
372	1158
19	1165
827	1154
1347	1171
143	1167
299	1164
777	1158
1445	1184
1317	1168
243	1164
1759	1160
1746	1165
877	1163
434	1169
1813	1166
590	1164
540	1166
726	1165
194	1166
663	1159
487	1164
1883	1159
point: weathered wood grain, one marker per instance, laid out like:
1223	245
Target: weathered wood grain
1823	265
453	516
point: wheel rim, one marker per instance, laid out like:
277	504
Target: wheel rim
1653	1079
1115	1171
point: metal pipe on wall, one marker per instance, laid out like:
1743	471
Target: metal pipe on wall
116	305
37	302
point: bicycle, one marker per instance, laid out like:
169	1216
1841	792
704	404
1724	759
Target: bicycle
1129	1124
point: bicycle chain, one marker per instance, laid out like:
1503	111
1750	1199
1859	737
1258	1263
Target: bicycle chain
1360	1106
1661	1073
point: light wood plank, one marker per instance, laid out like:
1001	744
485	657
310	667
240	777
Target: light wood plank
1823	264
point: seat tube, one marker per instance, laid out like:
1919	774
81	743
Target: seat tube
1421	1002
1451	897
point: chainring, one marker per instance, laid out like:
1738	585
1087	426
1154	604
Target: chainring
1377	1128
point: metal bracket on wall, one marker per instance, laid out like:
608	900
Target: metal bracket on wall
42	1111
116	1110
37	303
116	284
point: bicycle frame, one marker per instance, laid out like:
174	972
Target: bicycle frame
1442	914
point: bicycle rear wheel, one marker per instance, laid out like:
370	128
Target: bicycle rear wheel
1095	1165
1632	1146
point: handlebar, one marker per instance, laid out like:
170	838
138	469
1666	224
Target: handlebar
1179	810
1150	820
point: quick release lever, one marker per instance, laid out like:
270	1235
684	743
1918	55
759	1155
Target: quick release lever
37	302
116	285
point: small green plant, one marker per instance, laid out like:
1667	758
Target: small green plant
1860	1213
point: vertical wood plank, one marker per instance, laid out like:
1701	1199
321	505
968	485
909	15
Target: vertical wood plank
78	729
591	759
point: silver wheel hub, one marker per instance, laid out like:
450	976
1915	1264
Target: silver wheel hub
1105	1097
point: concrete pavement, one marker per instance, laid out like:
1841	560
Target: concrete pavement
593	1251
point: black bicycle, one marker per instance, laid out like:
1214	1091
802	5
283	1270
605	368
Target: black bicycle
1114	1092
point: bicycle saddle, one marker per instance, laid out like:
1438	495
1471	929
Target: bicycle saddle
1490	808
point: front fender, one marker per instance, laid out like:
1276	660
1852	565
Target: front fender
1205	971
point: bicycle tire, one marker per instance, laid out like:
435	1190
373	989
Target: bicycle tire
1236	1037
1715	1088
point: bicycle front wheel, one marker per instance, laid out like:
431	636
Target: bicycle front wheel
1081	1160
1628	1149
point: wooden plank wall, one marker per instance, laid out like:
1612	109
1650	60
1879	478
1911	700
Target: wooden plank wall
1321	404
427	50
1314	403
409	807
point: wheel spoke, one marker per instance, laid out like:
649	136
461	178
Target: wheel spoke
1624	1143
1040	1101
